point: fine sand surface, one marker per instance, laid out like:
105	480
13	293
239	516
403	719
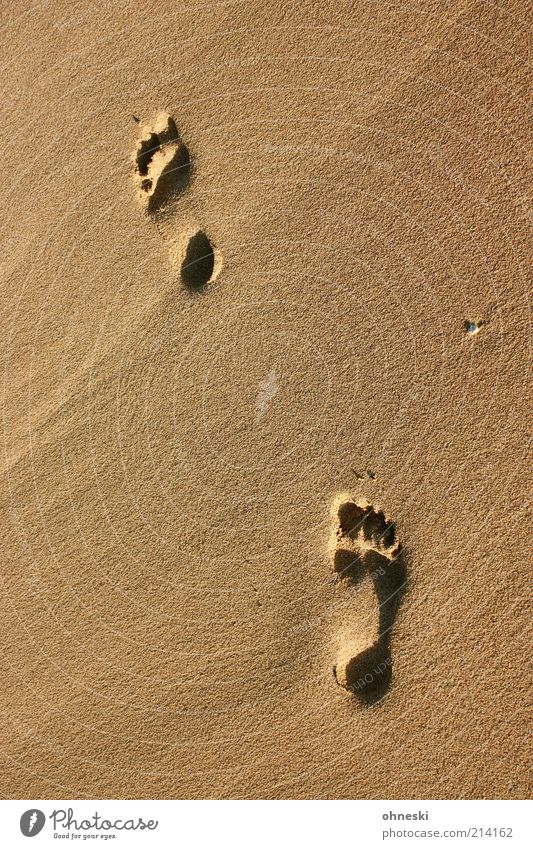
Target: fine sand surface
265	337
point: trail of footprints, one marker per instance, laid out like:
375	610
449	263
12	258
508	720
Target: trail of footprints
365	547
366	550
163	172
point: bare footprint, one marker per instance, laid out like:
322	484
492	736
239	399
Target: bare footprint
163	172
162	163
366	551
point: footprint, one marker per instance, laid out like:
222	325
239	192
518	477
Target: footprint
162	163
163	172
367	554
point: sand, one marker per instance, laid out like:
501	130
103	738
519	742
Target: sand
186	610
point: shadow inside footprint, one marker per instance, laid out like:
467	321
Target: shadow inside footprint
199	263
369	674
349	565
145	153
351	518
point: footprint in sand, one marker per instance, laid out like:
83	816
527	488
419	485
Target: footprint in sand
163	173
367	554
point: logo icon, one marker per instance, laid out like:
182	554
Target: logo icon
31	822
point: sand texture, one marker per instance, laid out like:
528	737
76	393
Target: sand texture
265	340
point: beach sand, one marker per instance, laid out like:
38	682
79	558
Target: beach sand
186	608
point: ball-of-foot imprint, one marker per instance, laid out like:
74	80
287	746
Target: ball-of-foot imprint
366	549
162	163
